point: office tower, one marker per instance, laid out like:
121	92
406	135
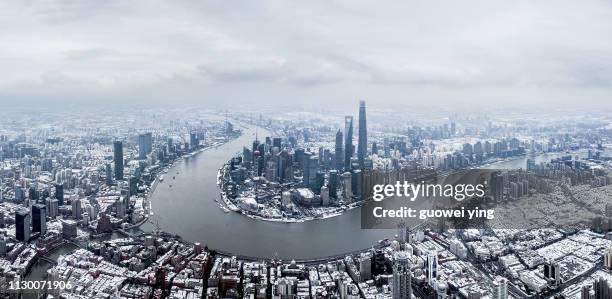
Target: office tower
586	292
108	169
497	186
346	180
145	145
276	142
348	141
318	182
339	154
401	288
608	259
365	266
306	168
333	184
118	159
39	222
2	245
193	140
69	228
284	164
362	145
602	289
33	194
432	267
500	288
76	209
552	273
53	210
324	196
22	225
59	194
313	166
357	184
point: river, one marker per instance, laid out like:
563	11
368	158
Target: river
189	210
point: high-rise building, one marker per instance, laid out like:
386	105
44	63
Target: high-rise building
53	208
193	140
365	266
109	174
552	272
357	184
118	159
76	209
2	245
608	259
362	145
306	168
145	144
333	184
602	289
500	288
348	186
401	287
432	267
69	228
22	225
59	194
39	222
497	186
348	141
339	154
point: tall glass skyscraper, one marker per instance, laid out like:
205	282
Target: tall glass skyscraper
339	152
145	145
118	159
362	146
348	141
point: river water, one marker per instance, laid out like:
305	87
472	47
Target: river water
189	210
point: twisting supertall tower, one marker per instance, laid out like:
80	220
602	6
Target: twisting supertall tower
362	146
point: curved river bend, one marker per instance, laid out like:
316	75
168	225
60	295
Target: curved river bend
189	210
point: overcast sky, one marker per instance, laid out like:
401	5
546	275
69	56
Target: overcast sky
312	52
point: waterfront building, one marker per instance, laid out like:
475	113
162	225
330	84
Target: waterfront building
348	141
145	145
362	145
346	180
333	184
193	140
